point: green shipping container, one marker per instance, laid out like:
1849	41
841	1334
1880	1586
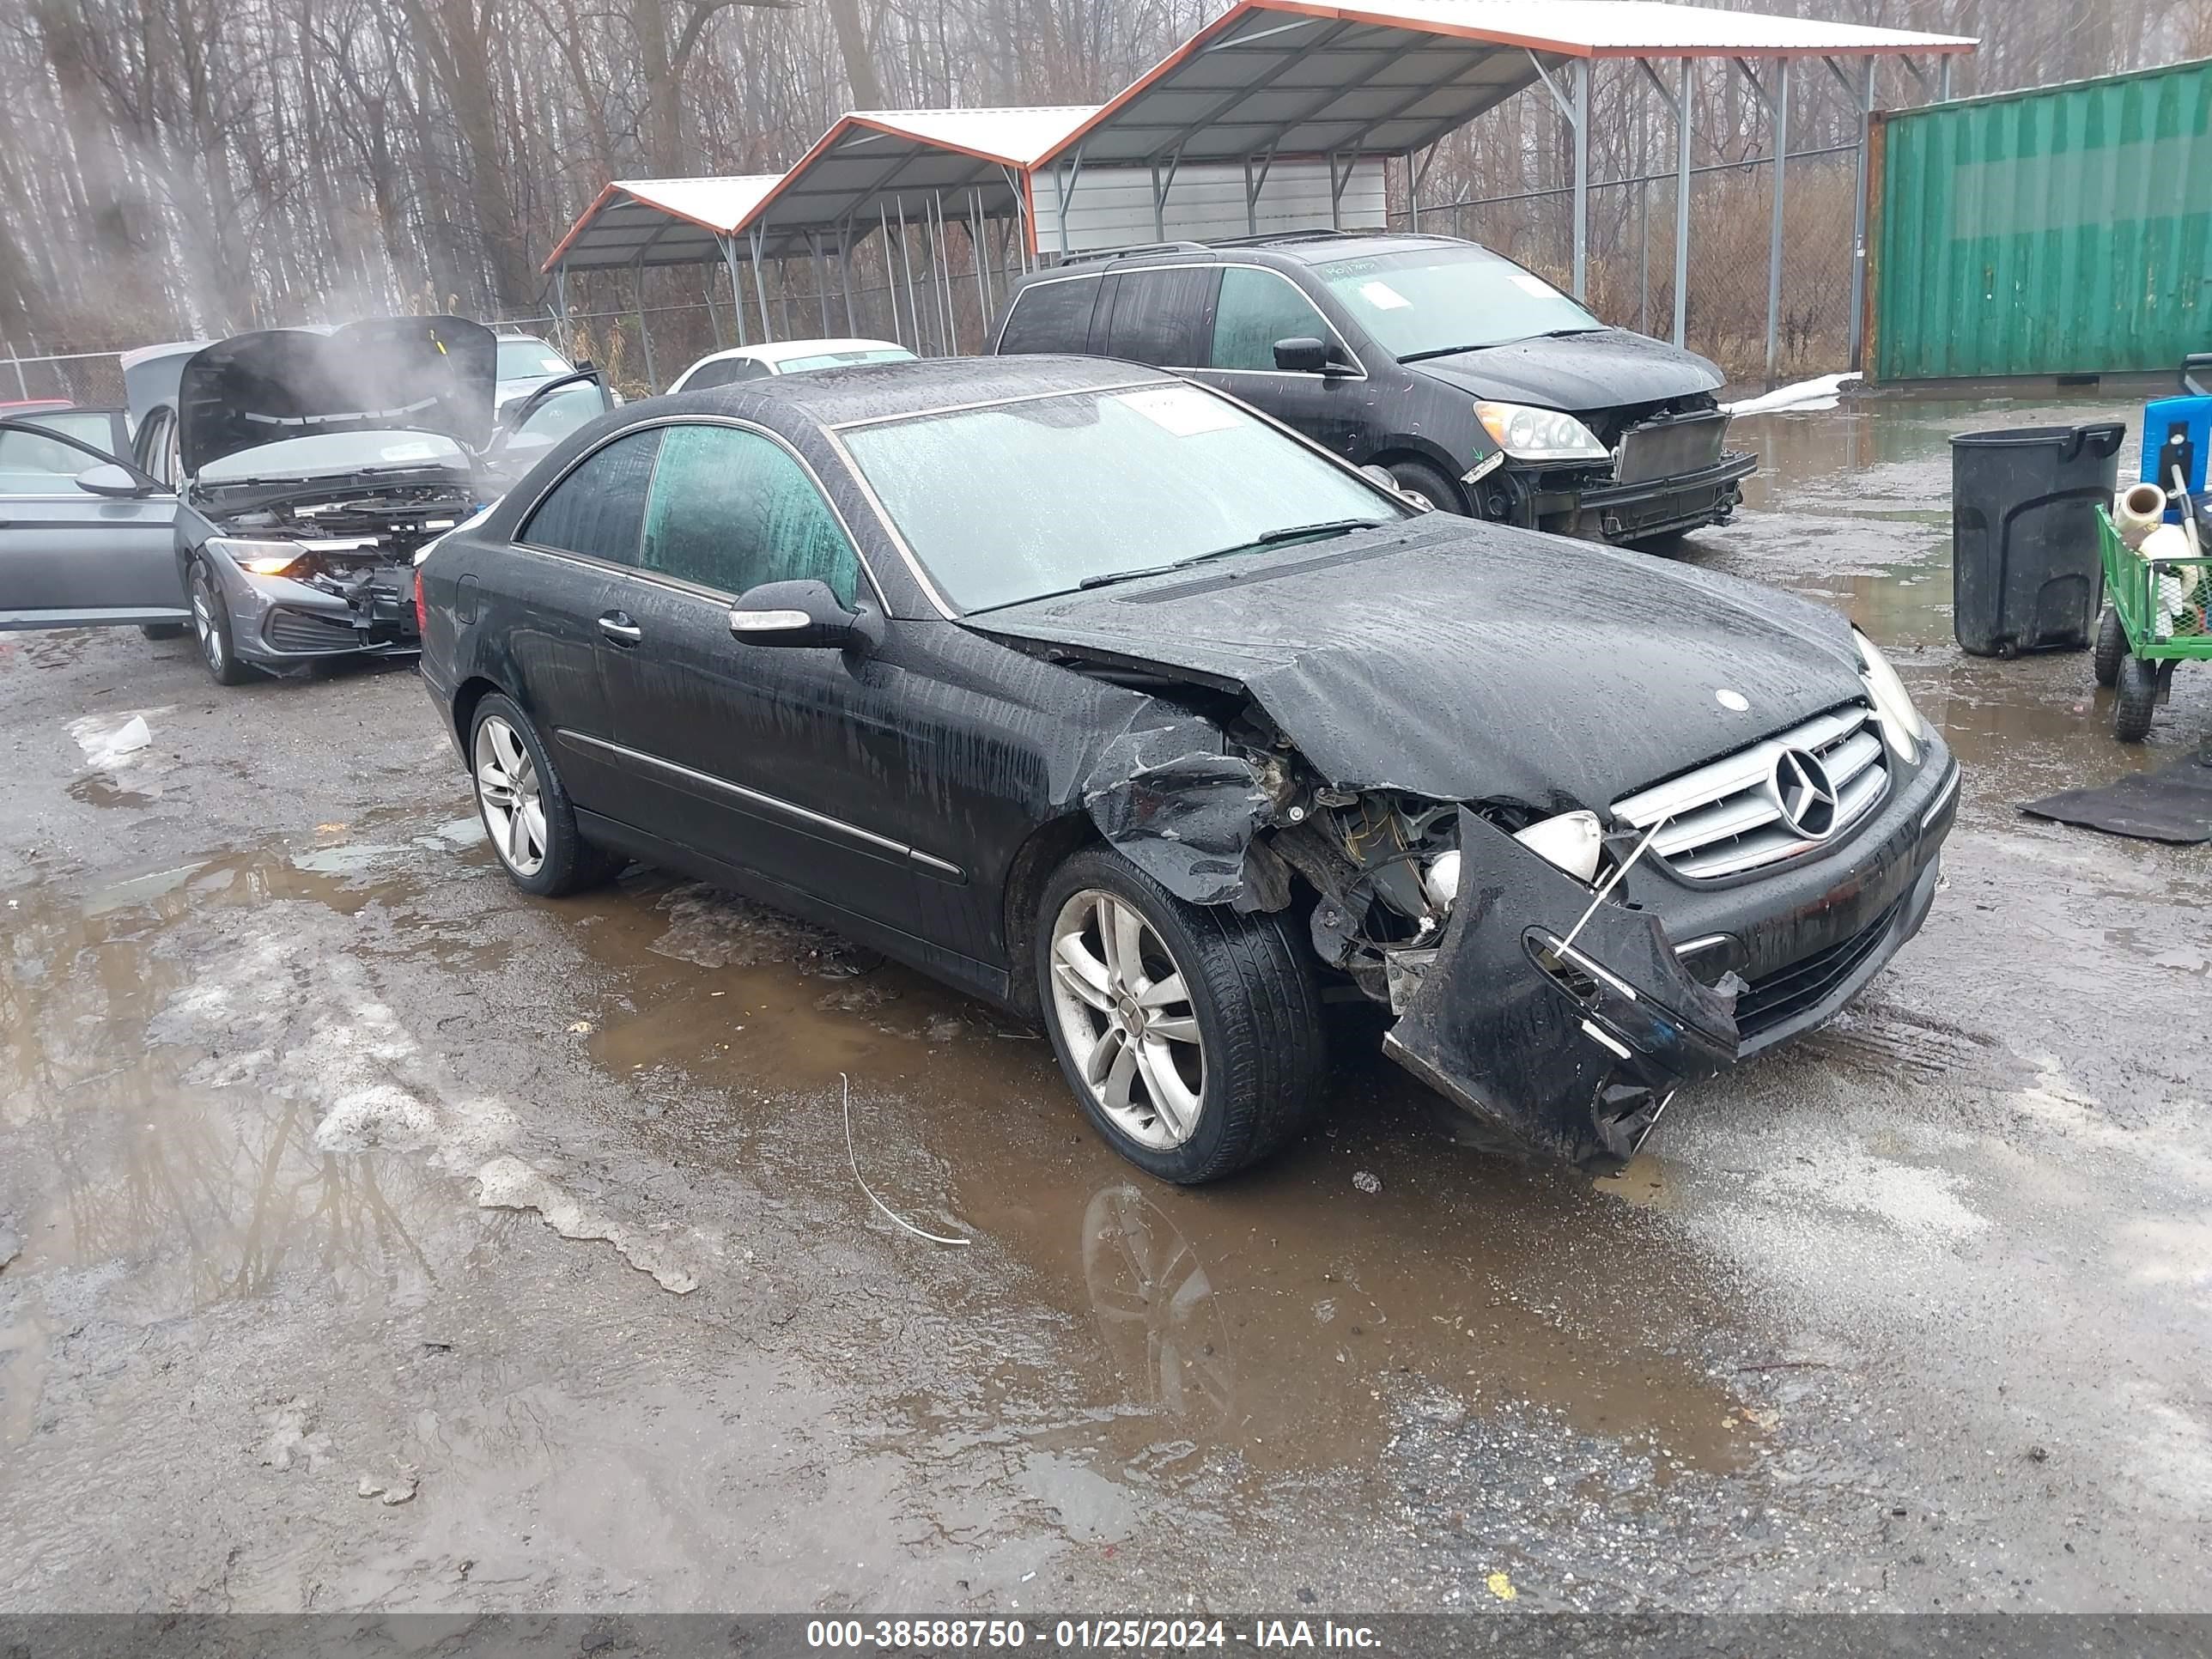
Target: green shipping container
2066	230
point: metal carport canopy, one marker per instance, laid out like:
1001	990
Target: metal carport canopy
877	163
1294	77
1271	78
659	221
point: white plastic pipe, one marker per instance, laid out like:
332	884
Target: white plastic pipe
2138	510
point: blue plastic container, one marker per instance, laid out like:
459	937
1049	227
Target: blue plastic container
2178	431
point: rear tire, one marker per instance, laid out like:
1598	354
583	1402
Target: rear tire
1215	1011
2111	648
211	627
1419	478
526	812
2138	700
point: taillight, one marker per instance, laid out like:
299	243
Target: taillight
422	611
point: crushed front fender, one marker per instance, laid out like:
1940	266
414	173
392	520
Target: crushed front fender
1574	1048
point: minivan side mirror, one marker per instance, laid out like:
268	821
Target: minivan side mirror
1302	355
803	613
111	479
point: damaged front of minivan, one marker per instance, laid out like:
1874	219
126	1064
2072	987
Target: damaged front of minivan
1584	851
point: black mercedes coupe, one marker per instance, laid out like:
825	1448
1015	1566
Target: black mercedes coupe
1102	696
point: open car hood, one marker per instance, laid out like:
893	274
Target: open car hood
416	374
1469	662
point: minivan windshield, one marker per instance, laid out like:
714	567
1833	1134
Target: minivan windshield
1430	301
1015	500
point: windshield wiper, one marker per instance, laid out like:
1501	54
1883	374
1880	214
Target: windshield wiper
1268	538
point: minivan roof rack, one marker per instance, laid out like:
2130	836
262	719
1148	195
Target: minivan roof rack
1096	254
1316	236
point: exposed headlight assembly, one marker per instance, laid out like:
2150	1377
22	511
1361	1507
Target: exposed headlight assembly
1892	704
263	558
1571	840
1538	434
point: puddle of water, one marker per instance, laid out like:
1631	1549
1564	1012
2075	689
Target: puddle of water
1114	1329
1279	1314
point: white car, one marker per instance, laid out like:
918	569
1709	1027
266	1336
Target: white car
786	357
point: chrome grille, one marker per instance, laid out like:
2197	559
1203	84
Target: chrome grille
1727	816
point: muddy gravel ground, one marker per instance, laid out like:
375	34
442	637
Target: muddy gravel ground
378	1237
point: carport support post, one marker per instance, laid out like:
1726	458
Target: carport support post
1943	78
1682	205
890	284
845	271
729	246
1580	117
821	280
644	333
975	252
563	335
759	290
1774	229
1859	221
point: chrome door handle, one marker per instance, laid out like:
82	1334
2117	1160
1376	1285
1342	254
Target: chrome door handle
617	627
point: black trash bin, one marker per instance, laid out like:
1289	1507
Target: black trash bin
2025	570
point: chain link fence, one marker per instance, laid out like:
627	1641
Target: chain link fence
92	378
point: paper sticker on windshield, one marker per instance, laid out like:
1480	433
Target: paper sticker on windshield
1184	410
1535	285
1383	296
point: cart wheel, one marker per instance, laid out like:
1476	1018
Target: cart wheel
2111	648
2138	689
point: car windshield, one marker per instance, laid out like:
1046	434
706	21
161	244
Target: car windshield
1438	298
1018	499
840	359
526	360
324	454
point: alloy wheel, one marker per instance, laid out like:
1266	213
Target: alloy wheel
1126	1017
204	600
508	794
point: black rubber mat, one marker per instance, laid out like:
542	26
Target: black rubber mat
2174	805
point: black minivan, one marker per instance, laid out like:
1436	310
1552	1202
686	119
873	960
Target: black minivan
1481	387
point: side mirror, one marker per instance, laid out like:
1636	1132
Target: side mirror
109	479
803	613
1302	355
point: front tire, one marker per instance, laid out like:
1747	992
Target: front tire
211	627
1191	1035
1424	482
2111	648
2138	700
526	809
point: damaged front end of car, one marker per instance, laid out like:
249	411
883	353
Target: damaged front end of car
1521	987
332	565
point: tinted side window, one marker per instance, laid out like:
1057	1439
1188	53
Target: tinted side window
1159	316
1256	309
731	509
598	509
1051	317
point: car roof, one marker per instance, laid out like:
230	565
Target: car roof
779	351
835	396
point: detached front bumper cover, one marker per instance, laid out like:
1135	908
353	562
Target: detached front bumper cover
1576	1047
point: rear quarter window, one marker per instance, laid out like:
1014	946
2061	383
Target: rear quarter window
1163	317
599	509
1052	316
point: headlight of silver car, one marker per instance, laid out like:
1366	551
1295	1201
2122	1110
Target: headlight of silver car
1538	434
269	558
1892	704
